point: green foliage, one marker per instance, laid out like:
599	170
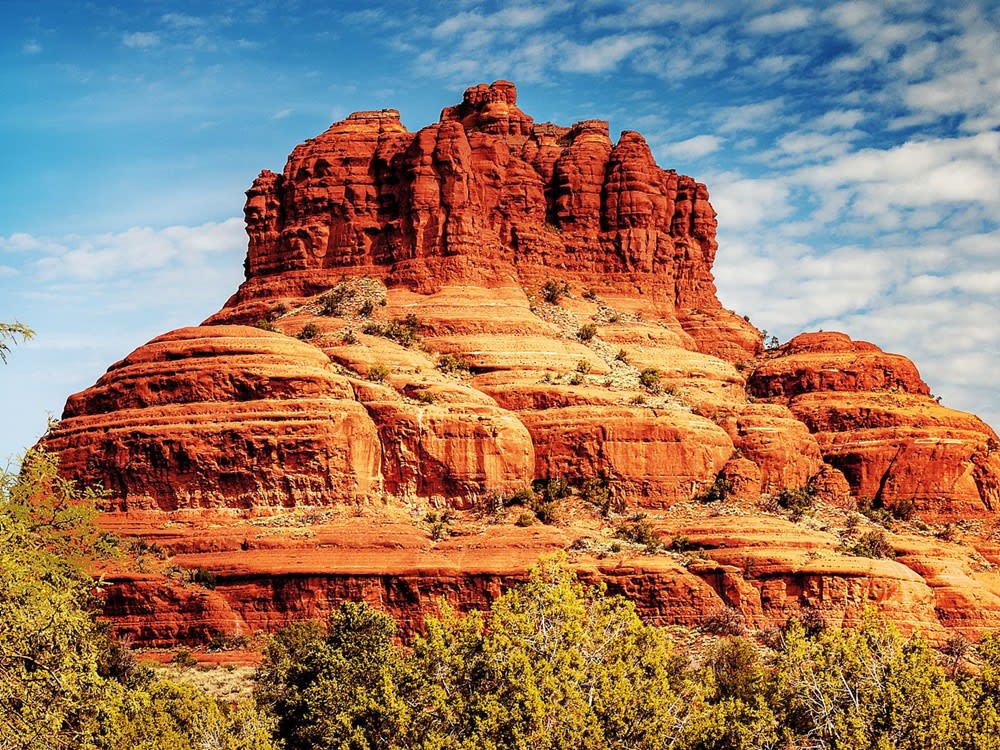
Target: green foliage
378	373
309	332
877	512
332	302
64	683
340	688
9	334
649	379
401	330
554	290
598	493
716	492
453	364
586	332
639	530
439	523
872	544
583	367
797	500
546	496
266	325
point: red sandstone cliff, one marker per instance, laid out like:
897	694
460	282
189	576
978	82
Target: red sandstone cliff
436	369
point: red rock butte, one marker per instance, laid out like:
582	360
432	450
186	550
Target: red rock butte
435	319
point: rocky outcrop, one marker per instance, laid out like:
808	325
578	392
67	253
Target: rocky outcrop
433	320
486	195
875	420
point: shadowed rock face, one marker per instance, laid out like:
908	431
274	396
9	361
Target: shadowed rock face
485	302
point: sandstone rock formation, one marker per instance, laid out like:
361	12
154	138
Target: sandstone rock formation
431	321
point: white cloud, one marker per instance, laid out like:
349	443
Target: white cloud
181	20
602	54
744	202
781	21
693	148
140	39
140	249
281	114
31	47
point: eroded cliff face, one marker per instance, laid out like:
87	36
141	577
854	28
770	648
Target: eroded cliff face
433	320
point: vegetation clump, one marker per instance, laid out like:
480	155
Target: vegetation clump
649	379
554	290
453	364
797	500
716	492
401	330
586	332
639	530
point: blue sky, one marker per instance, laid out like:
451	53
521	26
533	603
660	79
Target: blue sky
852	151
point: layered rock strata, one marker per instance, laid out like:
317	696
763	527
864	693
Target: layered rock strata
431	321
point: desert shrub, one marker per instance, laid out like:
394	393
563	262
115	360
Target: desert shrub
439	523
622	356
872	544
586	332
583	366
797	500
401	330
332	303
590	294
309	332
553	291
649	379
598	493
525	497
202	577
265	325
378	373
366	308
724	620
716	492
639	530
453	364
349	336
576	378
526	519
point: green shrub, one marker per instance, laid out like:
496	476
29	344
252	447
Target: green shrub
649	379
716	492
554	290
366	309
872	544
265	325
453	364
583	366
309	332
332	303
587	332
798	501
378	373
639	530
622	356
440	524
202	577
349	336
